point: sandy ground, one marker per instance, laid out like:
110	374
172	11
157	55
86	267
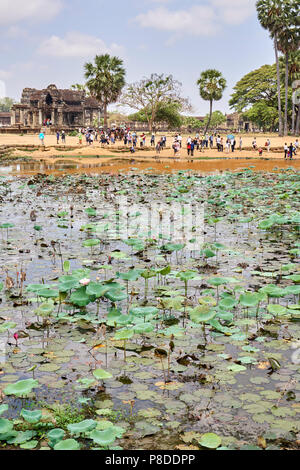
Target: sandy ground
51	150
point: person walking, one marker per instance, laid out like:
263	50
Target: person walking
63	137
241	144
152	140
57	137
211	141
286	151
268	145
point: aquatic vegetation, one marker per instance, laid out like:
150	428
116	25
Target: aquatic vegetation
191	335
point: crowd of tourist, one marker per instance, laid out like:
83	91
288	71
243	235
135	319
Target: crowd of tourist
132	140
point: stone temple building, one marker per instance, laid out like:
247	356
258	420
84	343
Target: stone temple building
68	109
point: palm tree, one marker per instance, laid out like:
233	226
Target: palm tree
294	73
288	43
269	15
105	80
211	87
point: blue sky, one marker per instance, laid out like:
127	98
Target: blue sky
43	41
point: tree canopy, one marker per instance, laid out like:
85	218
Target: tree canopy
258	85
158	97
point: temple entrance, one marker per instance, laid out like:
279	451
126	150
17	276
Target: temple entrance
49	100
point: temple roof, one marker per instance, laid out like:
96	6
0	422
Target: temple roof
64	96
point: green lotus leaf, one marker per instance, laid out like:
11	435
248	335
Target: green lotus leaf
276	309
5	426
115	295
97	290
31	417
103	438
82	427
55	435
123	334
22	388
250	299
3	408
91	242
101	374
210	441
143	311
80	297
68	444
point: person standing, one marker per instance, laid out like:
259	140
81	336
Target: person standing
152	140
80	138
63	137
188	146
268	145
211	141
192	148
233	144
291	151
241	144
42	138
179	139
286	151
57	137
227	146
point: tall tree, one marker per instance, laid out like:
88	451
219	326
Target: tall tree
105	80
211	87
150	95
288	43
270	15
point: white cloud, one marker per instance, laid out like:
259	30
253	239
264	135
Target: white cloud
14	11
234	11
76	44
198	20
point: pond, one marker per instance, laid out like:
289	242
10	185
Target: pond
150	310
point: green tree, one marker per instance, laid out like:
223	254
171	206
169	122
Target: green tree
6	104
156	96
216	119
211	87
105	80
258	85
264	116
193	123
167	112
